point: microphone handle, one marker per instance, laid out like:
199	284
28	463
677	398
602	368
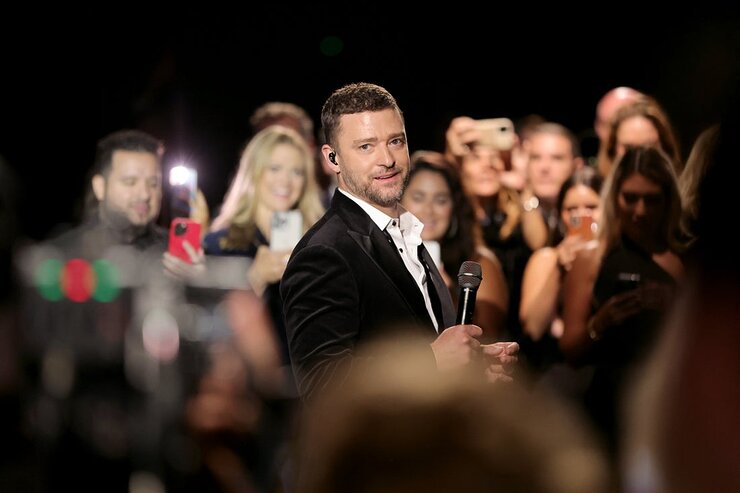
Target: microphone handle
465	306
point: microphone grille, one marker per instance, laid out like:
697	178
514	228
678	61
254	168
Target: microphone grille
470	275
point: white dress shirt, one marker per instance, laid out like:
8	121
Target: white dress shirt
405	231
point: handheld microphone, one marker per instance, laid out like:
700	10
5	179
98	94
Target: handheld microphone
468	280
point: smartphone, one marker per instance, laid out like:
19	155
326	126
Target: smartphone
583	226
435	251
286	230
183	229
497	133
627	281
184	186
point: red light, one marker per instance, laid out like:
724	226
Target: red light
78	280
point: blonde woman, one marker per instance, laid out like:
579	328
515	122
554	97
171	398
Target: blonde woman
276	174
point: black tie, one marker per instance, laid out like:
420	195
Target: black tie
433	295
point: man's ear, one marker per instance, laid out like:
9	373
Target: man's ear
98	185
330	158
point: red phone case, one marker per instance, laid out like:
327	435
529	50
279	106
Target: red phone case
182	229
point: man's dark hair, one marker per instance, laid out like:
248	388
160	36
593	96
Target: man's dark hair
124	140
353	98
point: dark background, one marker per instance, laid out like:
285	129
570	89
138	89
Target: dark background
193	75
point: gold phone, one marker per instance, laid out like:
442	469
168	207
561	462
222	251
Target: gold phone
497	133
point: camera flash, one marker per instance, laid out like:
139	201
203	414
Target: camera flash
180	175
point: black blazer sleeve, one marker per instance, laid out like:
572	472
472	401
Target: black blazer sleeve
321	306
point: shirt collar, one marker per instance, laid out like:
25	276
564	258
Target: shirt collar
409	224
411	227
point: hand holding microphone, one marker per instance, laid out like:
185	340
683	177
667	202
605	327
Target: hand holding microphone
457	346
499	358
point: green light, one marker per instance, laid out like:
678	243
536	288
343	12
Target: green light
107	286
48	277
331	46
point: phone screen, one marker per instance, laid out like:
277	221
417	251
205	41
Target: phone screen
584	226
627	281
497	133
184	186
286	230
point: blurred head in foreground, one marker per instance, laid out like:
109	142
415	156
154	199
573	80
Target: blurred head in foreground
398	425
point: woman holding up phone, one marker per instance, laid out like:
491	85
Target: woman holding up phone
579	214
275	176
245	403
435	196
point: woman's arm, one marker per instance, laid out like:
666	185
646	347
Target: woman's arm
540	288
267	268
534	227
577	301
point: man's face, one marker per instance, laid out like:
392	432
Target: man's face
551	162
132	192
373	158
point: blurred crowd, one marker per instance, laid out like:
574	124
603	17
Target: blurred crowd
129	365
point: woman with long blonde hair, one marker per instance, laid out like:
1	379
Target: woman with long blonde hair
275	175
244	209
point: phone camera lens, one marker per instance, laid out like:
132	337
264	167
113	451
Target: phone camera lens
180	229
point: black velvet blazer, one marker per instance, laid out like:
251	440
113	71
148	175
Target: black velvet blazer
345	285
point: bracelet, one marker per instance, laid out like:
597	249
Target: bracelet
531	204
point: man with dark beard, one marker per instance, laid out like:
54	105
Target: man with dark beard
127	188
88	330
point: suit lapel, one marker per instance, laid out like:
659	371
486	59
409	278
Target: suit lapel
374	243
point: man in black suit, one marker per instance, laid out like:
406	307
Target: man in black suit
362	271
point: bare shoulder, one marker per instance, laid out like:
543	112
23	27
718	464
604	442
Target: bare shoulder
671	262
486	256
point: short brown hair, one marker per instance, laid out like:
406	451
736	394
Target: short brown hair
124	140
353	98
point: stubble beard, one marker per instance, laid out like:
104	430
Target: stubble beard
119	221
382	197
